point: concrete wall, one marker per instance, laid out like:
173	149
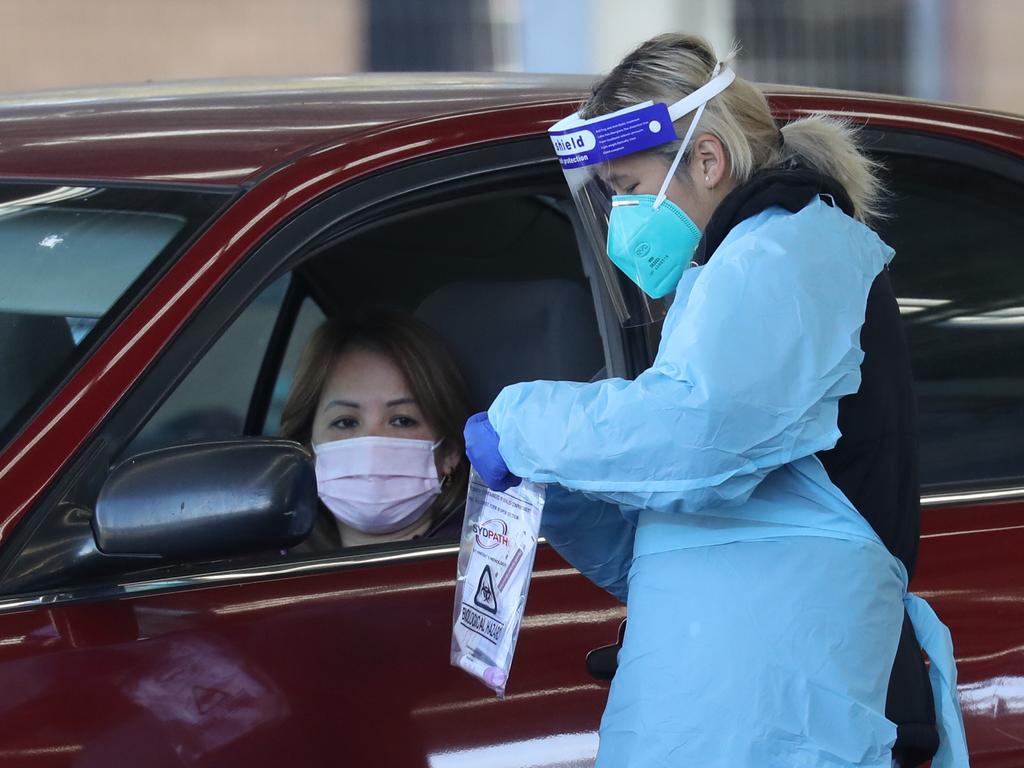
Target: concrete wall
620	26
986	44
973	53
56	43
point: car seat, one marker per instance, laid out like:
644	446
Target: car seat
33	349
505	332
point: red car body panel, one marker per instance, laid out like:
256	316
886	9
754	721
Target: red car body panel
197	677
146	670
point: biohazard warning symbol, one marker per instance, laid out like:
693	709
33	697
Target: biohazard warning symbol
485	596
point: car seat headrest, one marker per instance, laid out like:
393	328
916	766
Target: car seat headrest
505	332
33	348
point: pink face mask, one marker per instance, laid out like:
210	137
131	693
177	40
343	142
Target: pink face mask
377	484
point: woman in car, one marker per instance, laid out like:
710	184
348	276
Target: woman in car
381	404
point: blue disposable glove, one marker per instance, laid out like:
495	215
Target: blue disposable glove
482	449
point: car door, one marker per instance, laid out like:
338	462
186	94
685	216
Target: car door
955	221
324	659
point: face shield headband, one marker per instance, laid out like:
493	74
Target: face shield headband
652	239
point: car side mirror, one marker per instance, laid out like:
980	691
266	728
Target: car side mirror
189	502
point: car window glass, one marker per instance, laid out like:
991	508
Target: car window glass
68	255
309	317
212	401
959	278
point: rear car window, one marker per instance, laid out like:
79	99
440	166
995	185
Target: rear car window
959	278
71	258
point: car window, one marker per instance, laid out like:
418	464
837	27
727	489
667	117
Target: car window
68	256
212	402
500	283
491	266
959	277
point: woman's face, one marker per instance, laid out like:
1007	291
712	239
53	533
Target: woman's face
365	395
706	174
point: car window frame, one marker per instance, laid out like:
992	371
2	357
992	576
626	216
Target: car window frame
408	187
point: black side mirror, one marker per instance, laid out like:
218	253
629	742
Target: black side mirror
194	501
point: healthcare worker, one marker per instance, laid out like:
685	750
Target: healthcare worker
753	495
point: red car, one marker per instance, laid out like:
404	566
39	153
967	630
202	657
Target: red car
165	252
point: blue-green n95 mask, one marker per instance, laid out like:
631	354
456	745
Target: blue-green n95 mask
652	244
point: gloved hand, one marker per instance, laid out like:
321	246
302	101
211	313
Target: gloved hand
482	449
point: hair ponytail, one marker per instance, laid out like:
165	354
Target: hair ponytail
830	147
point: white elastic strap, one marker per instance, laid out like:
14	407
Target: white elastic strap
696	100
719	81
679	156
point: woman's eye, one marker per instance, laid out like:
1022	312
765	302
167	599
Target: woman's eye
345	422
403	421
631	189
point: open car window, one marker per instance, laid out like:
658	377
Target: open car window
488	261
499	280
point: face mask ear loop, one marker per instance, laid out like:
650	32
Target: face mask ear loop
679	156
682	147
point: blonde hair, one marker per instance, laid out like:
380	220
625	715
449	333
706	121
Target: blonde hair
669	67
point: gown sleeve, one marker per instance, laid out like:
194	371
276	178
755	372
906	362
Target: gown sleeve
748	376
592	535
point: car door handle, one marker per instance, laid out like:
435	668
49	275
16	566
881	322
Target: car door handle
602	662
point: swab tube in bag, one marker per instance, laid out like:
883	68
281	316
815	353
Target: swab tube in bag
499	541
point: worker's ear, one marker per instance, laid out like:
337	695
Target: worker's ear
710	164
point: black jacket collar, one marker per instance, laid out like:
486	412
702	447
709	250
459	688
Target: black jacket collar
789	188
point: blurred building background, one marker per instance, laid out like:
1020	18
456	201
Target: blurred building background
955	50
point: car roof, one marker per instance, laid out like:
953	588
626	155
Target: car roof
225	132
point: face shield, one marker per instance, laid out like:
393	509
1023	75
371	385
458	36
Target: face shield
648	240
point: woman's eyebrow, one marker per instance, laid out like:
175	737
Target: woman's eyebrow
343	403
401	401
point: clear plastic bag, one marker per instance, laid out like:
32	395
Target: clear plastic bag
499	541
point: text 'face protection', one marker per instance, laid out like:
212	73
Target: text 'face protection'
649	240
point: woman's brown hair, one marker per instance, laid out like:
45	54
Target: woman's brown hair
426	365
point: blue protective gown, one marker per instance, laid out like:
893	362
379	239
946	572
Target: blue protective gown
764	611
